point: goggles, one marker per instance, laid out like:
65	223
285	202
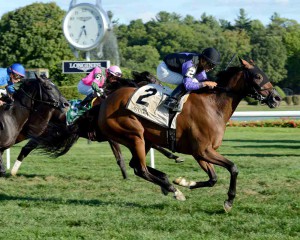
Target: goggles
116	74
16	76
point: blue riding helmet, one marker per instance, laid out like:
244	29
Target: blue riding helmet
17	68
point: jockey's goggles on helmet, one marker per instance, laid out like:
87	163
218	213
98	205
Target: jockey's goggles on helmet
116	74
16	76
210	64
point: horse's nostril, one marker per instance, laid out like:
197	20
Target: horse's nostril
277	98
65	105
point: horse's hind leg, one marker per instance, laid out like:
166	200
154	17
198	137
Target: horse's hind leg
115	147
31	145
138	163
168	154
2	168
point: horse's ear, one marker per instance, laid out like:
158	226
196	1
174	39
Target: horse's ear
245	63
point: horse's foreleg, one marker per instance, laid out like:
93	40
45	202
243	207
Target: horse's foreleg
215	158
168	154
2	168
115	147
31	145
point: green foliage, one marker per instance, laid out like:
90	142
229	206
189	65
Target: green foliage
296	99
280	91
140	58
71	92
33	36
288	100
251	101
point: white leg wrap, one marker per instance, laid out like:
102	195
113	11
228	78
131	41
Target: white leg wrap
16	167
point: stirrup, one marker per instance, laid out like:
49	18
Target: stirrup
172	104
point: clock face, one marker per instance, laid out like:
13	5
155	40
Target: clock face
84	26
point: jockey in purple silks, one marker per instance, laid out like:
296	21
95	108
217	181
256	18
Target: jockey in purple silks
188	71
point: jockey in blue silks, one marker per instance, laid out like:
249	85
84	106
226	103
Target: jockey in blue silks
8	77
188	71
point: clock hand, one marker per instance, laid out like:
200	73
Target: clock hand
84	30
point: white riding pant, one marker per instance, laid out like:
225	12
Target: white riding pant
3	92
164	74
84	89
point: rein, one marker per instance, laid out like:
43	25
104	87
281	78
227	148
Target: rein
33	99
254	93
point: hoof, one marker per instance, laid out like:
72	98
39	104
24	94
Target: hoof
183	182
227	206
179	160
179	196
164	191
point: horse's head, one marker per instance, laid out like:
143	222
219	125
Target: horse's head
41	91
258	85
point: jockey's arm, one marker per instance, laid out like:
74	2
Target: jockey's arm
193	81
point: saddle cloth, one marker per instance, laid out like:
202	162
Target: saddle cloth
147	102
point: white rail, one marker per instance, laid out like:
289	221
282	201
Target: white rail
267	114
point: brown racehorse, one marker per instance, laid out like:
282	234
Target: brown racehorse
200	127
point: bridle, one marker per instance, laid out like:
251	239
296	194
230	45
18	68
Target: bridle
52	102
252	89
257	87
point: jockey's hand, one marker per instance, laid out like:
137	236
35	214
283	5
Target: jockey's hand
100	92
95	87
2	103
209	84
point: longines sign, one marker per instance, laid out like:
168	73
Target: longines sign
83	66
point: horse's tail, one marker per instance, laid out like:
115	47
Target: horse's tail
57	140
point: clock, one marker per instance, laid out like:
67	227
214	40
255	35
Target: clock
84	26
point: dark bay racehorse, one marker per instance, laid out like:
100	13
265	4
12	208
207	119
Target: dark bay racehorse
87	129
200	127
33	104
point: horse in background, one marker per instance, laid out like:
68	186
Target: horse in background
29	113
200	127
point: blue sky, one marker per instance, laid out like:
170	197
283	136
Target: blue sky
126	10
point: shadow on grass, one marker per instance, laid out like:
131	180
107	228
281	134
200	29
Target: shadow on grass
91	202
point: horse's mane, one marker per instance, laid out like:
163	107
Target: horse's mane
139	79
224	76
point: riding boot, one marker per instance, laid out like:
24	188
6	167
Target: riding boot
87	100
172	101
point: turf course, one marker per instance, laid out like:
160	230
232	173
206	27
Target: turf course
82	195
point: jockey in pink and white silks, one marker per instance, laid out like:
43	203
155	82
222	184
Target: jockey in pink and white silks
188	71
98	76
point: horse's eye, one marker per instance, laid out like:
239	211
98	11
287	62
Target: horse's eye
258	78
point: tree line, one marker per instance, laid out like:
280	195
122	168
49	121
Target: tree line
33	35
